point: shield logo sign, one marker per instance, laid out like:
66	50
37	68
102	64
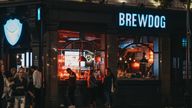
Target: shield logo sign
12	30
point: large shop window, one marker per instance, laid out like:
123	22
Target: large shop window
138	58
82	52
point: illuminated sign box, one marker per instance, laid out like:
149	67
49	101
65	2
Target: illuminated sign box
12	30
133	20
71	59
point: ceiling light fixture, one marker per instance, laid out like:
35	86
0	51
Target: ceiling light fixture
156	3
122	1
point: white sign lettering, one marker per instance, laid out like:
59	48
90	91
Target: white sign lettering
142	20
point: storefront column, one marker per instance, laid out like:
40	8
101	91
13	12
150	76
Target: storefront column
2	47
51	97
165	70
112	53
35	45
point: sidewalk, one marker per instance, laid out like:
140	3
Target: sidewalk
129	106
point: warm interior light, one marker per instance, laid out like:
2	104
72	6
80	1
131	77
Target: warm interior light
97	59
155	3
135	65
150	57
122	1
186	6
120	58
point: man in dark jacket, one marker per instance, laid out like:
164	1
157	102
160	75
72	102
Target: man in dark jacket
71	87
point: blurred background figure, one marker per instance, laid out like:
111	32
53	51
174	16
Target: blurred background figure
37	83
30	96
92	85
13	71
108	86
20	84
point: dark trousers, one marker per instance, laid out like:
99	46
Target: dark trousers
3	103
108	97
28	101
93	95
71	95
38	102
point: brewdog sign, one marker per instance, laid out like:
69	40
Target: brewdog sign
142	20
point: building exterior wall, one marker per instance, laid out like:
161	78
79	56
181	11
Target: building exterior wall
75	17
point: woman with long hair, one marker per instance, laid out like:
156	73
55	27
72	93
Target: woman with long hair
20	84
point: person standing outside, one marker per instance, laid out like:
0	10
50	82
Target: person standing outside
71	87
30	90
37	83
7	87
92	85
19	89
108	86
13	71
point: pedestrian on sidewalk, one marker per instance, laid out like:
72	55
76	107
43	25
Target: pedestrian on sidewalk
92	85
37	83
71	88
109	86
